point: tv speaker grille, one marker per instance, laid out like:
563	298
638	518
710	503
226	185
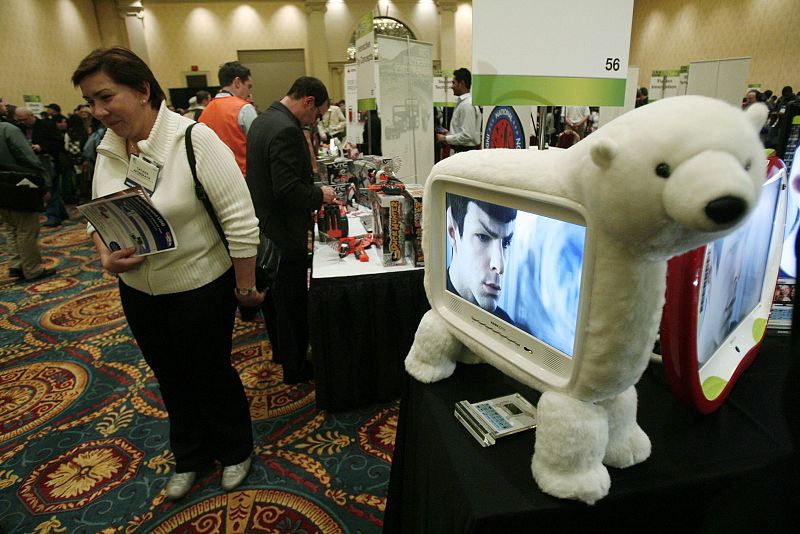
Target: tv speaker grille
553	360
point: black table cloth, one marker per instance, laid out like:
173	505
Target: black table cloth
361	330
730	471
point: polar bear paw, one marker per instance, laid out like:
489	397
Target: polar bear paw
630	450
589	485
428	370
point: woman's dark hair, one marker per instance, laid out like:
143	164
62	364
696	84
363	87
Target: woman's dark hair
124	67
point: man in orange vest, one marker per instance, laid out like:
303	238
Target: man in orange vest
230	113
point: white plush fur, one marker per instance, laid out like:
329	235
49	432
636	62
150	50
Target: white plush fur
641	220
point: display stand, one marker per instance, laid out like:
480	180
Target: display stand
726	472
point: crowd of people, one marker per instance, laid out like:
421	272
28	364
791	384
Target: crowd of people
781	108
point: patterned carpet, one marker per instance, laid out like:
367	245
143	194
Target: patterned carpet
84	436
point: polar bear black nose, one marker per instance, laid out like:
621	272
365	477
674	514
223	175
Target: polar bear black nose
725	209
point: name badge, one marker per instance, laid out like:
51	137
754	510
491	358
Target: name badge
144	172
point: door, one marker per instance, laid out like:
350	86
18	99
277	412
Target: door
272	72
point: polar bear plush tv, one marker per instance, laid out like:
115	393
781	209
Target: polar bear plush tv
551	267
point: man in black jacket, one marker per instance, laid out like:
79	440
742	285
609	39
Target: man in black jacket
280	179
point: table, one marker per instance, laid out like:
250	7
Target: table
730	471
363	318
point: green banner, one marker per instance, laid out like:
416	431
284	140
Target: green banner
364	25
366	104
493	90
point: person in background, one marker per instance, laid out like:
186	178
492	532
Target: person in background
21	226
750	98
332	124
197	104
285	197
642	96
371	133
231	113
179	304
576	119
465	126
46	143
52	110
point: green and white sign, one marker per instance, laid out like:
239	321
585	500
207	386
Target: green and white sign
657	80
33	103
365	58
540	52
443	96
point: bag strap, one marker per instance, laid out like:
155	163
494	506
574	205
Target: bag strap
199	190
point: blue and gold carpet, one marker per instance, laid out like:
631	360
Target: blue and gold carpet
84	436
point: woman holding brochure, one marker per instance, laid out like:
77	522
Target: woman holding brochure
180	303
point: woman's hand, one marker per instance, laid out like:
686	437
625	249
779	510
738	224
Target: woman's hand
119	261
252	299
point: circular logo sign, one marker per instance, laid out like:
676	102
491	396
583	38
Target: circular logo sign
503	129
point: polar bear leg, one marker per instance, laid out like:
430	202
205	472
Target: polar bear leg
571	438
627	442
434	351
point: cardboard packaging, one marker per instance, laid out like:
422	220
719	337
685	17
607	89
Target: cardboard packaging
390	220
413	194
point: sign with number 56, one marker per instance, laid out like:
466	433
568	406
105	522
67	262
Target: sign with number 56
541	52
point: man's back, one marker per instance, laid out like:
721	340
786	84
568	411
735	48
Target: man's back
222	116
280	178
15	151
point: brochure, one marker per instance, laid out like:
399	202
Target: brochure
129	219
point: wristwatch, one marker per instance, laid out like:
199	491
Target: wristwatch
244	291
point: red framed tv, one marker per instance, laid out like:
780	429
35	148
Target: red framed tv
718	301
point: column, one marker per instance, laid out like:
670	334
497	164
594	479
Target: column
317	41
110	24
447	34
132	12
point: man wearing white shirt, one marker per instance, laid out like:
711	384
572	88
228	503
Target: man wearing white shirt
576	118
465	126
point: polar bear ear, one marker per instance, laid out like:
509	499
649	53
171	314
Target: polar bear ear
603	153
757	115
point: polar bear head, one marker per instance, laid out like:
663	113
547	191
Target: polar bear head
675	174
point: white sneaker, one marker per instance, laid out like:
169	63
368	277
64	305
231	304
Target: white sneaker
233	475
179	485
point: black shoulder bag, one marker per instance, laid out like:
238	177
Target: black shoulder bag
268	257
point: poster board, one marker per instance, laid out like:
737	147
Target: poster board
365	59
725	79
507	126
511	67
406	105
354	131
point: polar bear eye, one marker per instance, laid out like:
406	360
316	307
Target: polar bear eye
748	164
663	170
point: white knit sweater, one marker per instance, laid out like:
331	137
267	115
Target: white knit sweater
200	256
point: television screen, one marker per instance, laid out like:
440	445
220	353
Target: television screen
523	268
734	275
788	259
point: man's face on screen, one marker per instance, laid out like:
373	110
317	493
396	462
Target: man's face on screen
479	256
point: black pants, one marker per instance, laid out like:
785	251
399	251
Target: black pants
185	338
462	148
289	302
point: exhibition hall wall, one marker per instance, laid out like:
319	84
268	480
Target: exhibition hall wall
669	33
43	40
